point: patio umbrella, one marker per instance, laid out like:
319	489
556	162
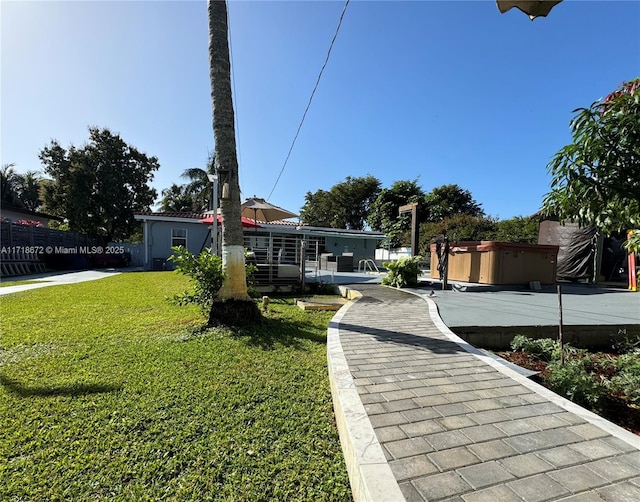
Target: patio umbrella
260	209
246	222
532	8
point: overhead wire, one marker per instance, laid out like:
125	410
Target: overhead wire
335	35
235	103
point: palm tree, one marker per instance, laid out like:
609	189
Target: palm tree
30	189
199	186
9	184
176	199
235	305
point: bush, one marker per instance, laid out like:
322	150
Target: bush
574	381
205	271
544	349
626	382
250	269
402	273
625	343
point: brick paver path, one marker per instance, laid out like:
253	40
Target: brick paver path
453	427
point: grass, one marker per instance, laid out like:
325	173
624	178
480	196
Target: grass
108	391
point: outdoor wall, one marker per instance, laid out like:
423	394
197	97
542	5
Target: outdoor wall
159	242
135	250
362	249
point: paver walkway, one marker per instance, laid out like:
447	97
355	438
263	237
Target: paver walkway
422	418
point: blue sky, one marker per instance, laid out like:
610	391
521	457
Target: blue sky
443	91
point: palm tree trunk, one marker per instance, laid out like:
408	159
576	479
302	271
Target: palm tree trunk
235	282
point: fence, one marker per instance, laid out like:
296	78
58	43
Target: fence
27	249
16	235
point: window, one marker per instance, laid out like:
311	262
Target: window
178	237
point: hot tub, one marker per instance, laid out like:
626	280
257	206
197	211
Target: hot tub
491	262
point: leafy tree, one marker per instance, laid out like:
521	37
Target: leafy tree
346	205
317	209
460	227
442	203
233	306
448	200
518	229
99	186
383	212
595	178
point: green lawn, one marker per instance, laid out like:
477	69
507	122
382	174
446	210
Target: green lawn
108	391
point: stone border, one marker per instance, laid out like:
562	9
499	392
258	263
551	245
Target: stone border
370	476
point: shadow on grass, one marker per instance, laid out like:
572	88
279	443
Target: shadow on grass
72	390
280	332
268	333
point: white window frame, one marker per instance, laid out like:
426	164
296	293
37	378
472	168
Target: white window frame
182	240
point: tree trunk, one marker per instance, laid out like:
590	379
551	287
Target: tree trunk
233	293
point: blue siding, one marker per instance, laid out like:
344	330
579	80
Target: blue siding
160	240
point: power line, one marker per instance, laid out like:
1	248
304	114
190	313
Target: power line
235	102
310	98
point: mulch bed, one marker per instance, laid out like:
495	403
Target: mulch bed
615	409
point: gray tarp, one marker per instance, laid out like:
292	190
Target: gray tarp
580	250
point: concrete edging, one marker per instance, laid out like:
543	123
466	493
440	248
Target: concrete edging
370	476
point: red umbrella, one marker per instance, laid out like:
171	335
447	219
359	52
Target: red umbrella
246	222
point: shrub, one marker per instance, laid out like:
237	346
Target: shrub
544	349
250	270
402	273
205	271
574	381
323	288
626	382
625	343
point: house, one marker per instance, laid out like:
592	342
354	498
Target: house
277	244
162	231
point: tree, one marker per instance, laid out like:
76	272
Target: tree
176	199
459	227
9	184
518	229
30	188
21	189
199	187
346	205
383	213
448	200
595	178
318	209
99	186
233	305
